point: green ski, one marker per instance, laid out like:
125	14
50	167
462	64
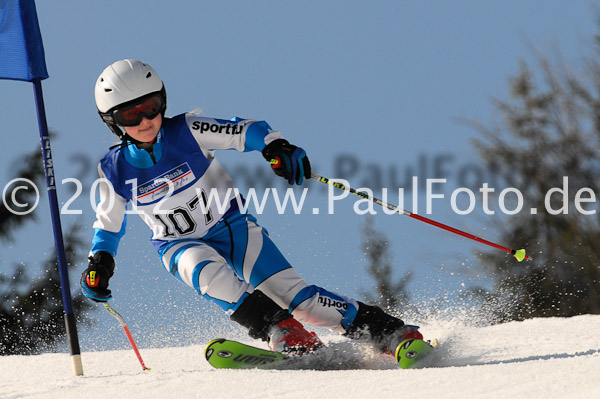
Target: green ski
225	354
413	351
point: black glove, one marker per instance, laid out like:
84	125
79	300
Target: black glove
287	161
94	279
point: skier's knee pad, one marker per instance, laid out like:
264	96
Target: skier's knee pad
202	268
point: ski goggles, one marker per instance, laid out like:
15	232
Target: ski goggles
132	114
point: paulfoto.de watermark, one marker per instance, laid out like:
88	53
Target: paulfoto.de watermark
22	196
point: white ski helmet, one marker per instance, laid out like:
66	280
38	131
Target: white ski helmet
123	82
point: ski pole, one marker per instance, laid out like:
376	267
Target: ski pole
519	254
127	333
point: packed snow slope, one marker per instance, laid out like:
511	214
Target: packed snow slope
538	358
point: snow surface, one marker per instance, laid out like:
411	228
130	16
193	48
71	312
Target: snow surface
538	358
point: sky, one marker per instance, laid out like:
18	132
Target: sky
373	93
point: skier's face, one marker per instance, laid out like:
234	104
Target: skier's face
146	131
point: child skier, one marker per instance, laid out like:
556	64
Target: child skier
166	168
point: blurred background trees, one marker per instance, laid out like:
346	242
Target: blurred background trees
388	294
31	308
549	131
547	140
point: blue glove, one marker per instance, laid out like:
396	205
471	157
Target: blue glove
94	279
287	161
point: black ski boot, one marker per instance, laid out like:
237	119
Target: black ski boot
265	320
386	332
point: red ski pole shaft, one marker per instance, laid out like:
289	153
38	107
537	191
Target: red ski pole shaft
133	345
519	254
127	333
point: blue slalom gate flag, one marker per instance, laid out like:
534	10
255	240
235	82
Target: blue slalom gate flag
21	48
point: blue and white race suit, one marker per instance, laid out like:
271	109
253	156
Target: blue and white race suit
209	245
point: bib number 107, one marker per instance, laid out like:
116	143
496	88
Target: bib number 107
179	220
